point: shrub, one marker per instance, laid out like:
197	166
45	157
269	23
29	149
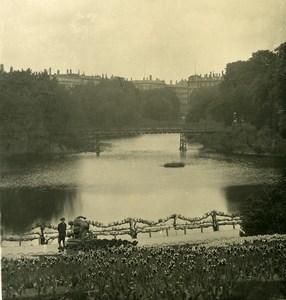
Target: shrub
95	244
266	211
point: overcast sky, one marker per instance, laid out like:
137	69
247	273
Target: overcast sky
130	38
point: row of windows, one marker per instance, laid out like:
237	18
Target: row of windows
194	85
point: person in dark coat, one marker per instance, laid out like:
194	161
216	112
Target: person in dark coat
62	227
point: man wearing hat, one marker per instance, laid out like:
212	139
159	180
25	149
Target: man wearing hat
62	227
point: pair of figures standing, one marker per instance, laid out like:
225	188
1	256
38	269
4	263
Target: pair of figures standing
79	226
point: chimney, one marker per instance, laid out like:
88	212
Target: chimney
70	71
50	71
78	72
171	82
150	77
58	72
67	71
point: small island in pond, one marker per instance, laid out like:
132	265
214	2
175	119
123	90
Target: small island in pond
174	165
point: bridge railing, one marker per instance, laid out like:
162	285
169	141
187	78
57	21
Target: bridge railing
145	130
135	226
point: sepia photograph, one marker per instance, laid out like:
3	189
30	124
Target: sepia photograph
143	149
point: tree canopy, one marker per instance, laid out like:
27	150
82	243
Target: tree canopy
255	90
160	104
37	112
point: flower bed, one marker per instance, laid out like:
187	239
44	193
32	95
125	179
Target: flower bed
253	266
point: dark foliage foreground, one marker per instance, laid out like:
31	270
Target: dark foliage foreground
250	269
96	244
266	211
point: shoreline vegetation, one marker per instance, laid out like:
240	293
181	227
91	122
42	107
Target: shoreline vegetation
242	139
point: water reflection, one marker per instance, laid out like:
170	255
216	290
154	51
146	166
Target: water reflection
21	207
129	180
238	196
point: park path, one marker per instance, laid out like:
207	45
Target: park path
13	250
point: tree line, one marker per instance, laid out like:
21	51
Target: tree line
250	104
249	107
38	114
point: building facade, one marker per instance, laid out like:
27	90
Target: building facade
184	87
149	84
70	79
181	90
199	81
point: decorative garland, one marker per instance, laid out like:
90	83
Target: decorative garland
133	225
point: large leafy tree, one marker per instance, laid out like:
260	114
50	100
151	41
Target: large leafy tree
279	91
160	105
255	90
247	88
112	103
205	103
32	109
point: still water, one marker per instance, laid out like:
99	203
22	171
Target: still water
128	180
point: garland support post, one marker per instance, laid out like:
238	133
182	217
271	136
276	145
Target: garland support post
175	220
214	220
133	232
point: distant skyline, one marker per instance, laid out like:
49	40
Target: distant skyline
166	39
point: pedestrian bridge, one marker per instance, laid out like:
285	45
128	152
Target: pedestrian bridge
184	131
153	130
